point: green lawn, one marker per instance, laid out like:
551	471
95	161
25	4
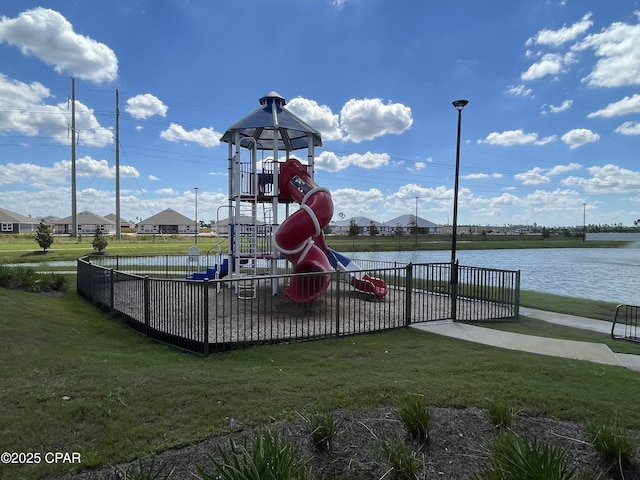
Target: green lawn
75	380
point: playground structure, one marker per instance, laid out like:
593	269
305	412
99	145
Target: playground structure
274	185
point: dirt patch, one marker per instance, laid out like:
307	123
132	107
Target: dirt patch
456	451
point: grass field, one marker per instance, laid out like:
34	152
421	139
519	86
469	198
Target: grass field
76	380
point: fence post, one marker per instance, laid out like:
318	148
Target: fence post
205	340
336	274
112	297
408	290
147	306
517	299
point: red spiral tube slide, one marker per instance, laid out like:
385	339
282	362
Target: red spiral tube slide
300	237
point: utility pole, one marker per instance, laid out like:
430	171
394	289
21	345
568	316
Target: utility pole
118	232
74	213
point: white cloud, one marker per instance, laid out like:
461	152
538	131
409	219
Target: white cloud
535	176
549	64
607	179
629	128
24	111
152	178
333	163
355	201
166	191
566	105
556	38
538	175
519	90
622	107
207	137
47	35
42	177
319	117
369	118
617	49
515	137
579	136
145	106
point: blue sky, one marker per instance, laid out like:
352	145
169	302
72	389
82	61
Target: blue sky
552	124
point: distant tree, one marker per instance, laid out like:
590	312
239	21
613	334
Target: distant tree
373	230
545	232
99	240
413	225
399	232
43	236
354	231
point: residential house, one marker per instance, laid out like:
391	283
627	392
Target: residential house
11	222
407	223
167	222
87	223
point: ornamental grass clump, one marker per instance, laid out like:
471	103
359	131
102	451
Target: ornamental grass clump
611	441
272	457
501	414
323	428
140	472
403	463
415	416
512	456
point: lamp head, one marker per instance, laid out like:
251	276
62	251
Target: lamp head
460	104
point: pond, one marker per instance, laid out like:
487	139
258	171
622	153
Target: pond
608	274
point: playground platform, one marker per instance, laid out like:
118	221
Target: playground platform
592	352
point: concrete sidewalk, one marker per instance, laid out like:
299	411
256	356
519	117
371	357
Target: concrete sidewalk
592	352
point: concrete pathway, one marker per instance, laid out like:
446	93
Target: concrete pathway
592	352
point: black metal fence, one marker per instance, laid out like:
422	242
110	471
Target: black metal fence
627	317
153	296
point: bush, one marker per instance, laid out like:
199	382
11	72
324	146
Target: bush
26	278
402	462
323	428
139	472
514	457
500	414
272	458
416	417
611	441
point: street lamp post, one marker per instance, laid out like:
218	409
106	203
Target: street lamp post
416	225
584	222
459	105
196	233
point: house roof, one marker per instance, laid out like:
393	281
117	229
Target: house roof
112	217
7	216
409	221
167	217
360	221
85	218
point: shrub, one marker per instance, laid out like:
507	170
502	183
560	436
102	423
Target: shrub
514	457
416	417
26	278
500	414
323	428
611	441
140	472
402	462
272	458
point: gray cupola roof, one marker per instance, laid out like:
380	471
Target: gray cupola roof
292	132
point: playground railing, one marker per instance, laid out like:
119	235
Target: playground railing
209	316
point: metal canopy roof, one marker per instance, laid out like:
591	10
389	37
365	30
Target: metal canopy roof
292	132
